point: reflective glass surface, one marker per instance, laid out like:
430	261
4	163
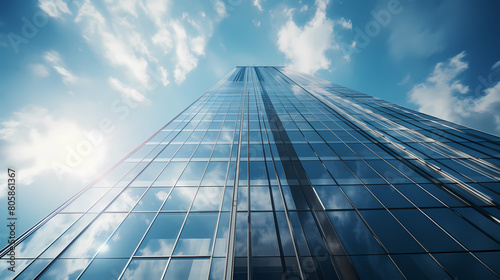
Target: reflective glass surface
197	235
160	239
275	174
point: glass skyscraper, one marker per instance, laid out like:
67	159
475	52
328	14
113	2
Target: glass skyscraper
273	174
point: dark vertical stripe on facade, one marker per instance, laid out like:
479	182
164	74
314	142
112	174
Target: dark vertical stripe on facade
240	75
301	187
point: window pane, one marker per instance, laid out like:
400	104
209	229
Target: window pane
145	269
332	198
187	269
180	199
68	236
221	151
464	232
148	175
304	151
197	235
464	266
285	237
192	174
29	273
317	173
222	233
361	197
298	234
389	196
126	200
65	269
162	235
217	269
429	234
390	232
228	199
240	247
104	269
481	221
324	151
32	246
313	237
264	240
195	137
204	151
353	233
211	136
86	200
87	244
168	152
388	172
364	172
419	266
260	199
242	198
152	200
170	174
341	173
418	196
258	173
215	174
185	151
105	200
267	268
208	199
126	238
375	267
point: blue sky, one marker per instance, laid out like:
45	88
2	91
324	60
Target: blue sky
84	82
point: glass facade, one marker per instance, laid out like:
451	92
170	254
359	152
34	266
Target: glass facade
274	174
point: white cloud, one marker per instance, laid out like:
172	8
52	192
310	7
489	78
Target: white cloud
68	78
346	24
164	76
497	64
33	139
127	92
304	8
54	8
256	22
437	96
156	9
163	38
257	4
40	70
119	54
186	61
443	95
121	40
306	47
220	9
114	48
87	10
288	12
123	6
198	45
54	58
136	41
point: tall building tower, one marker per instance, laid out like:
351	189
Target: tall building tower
273	174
